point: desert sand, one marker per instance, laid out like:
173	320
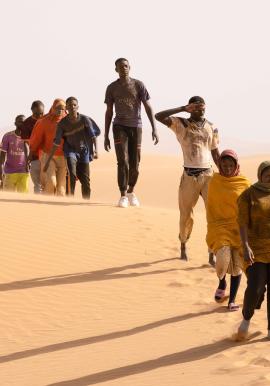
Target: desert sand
92	294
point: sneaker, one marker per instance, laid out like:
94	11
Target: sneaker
133	200
123	202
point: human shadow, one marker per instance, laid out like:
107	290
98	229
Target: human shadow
106	337
190	355
74	278
54	203
203	266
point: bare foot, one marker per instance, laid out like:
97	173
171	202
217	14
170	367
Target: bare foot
211	260
242	333
183	253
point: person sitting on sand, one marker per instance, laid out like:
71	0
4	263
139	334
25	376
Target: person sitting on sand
126	95
79	133
223	236
198	139
14	171
42	139
254	221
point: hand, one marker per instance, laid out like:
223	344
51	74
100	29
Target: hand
192	107
107	144
95	154
155	137
248	255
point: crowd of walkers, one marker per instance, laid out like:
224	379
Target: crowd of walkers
55	149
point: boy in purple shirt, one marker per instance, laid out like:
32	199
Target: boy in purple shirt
13	160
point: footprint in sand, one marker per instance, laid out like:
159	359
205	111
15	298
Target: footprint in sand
261	361
177	285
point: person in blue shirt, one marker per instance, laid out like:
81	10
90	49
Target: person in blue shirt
79	133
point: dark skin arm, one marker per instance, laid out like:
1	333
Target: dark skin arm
95	143
248	254
108	121
53	150
26	154
215	155
165	118
150	113
2	161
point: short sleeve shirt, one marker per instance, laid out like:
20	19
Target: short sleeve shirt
196	141
77	136
127	100
14	148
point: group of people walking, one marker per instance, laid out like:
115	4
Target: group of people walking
56	150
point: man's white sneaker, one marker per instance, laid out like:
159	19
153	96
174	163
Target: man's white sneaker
123	202
133	200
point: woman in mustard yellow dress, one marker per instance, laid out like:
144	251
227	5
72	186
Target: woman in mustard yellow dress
223	236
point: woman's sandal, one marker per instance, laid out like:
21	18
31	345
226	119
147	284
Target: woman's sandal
219	295
233	307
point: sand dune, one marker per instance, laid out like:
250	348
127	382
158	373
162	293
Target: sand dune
92	294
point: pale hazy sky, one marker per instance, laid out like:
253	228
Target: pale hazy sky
213	48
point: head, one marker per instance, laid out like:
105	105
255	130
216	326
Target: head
122	67
18	122
264	172
72	105
199	113
58	108
228	164
37	109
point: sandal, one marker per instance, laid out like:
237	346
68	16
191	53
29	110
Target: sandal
219	295
233	307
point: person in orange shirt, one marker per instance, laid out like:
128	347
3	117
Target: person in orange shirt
42	139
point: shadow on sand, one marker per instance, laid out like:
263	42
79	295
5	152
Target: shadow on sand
60	203
189	355
105	337
100	275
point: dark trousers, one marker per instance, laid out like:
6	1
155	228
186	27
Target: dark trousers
258	277
82	171
127	141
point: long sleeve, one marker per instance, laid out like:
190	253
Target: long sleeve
244	208
36	139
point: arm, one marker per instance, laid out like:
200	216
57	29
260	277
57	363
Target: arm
53	150
164	116
243	220
2	161
215	155
248	254
150	114
35	140
95	143
108	120
56	144
26	154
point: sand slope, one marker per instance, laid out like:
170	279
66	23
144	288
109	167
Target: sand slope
92	294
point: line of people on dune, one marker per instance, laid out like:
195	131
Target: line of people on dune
238	212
